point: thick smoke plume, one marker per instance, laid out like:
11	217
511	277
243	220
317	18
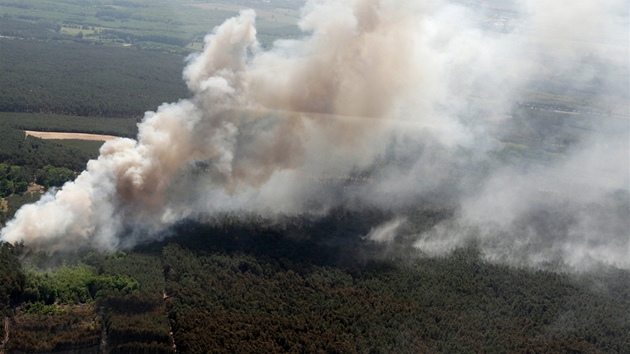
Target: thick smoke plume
383	104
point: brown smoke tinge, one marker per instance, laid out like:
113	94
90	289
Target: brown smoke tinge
355	64
408	95
345	67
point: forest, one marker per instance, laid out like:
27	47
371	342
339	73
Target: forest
245	288
163	25
81	80
50	83
72	87
242	283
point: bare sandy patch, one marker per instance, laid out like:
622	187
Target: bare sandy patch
66	136
35	188
4	205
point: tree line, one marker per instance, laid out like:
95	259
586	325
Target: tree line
255	297
235	286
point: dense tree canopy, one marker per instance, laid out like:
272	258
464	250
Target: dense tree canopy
280	301
12	278
231	287
249	284
83	80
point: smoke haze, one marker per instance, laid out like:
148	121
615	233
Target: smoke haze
384	104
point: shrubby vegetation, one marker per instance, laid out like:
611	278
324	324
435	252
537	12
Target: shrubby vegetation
73	285
13	179
57	310
67	328
51	176
31	160
25	160
31	154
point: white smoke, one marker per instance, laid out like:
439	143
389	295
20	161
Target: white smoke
385	232
408	99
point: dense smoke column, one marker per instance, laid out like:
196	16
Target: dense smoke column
412	98
130	185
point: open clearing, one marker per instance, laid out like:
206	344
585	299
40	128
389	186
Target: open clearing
75	136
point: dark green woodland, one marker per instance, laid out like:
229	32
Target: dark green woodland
241	283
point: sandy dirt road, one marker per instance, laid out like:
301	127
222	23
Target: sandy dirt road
77	136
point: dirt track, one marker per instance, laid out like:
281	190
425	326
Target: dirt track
77	136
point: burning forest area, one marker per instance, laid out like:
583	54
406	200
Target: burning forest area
393	176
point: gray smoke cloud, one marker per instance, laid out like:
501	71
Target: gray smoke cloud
385	104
